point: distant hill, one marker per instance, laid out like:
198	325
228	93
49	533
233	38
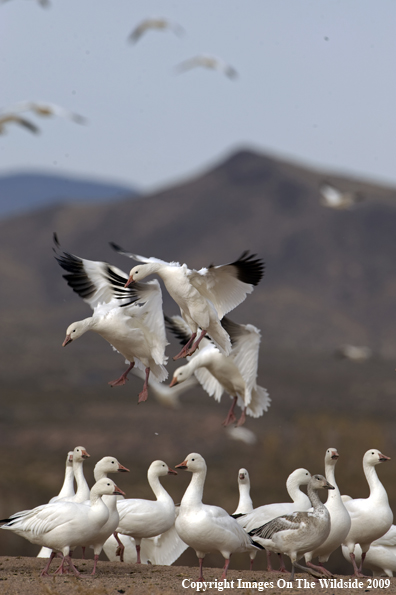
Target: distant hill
27	191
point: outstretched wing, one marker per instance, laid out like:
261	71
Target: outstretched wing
226	286
138	258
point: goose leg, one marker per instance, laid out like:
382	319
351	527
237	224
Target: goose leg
71	565
230	415
305	569
242	419
200	578
194	347
282	567
321	568
226	564
44	572
123	378
96	558
144	394
138	560
184	351
121	547
356	571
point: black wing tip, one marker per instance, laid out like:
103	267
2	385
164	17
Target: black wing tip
116	247
257	544
250	269
176	330
56	242
236	516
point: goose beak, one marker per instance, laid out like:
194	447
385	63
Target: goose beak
241	476
328	486
118	492
171	471
335	455
130	280
182	465
122	468
174	382
383	458
71	458
67	340
84	454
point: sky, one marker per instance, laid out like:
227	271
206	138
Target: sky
316	85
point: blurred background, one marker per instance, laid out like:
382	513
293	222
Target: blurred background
197	165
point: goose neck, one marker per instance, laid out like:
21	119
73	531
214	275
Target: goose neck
330	476
375	485
314	497
68	482
82	492
158	489
194	493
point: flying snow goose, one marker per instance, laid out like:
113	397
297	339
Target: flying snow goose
164	395
236	373
263	514
45	109
209	62
381	557
64	525
208	528
147	518
299	532
339	516
371	517
159	24
131	320
203	296
7	118
334	198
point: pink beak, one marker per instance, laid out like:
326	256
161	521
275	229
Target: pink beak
130	280
67	340
174	382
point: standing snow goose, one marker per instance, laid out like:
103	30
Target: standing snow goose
339	516
381	557
131	320
147	518
371	517
236	373
64	525
208	528
294	534
203	296
263	514
245	504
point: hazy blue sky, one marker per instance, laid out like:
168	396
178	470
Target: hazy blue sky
317	84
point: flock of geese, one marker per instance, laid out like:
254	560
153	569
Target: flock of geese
157	531
127	312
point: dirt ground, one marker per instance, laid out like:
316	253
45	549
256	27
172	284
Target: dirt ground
21	576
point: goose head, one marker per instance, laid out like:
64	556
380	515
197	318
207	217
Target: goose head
180	375
80	454
75	330
318	482
331	456
243	477
138	273
159	469
109	465
69	459
299	477
106	486
194	462
374	457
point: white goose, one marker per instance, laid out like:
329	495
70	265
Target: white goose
141	519
334	198
236	373
203	296
381	557
208	528
245	504
67	489
339	516
263	514
64	525
159	24
208	62
131	320
371	517
294	534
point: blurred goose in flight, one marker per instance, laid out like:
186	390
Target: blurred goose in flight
9	118
208	528
334	198
371	517
203	296
209	62
354	353
159	24
43	3
236	373
295	534
131	320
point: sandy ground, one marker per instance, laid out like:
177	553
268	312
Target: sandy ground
21	576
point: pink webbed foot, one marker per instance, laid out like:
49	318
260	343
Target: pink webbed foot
144	394
230	415
123	378
242	419
184	351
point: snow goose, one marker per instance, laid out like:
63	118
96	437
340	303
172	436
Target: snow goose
339	516
245	504
334	198
371	517
203	296
208	528
45	109
131	320
381	557
208	62
147	518
299	532
164	395
263	514
159	24
64	525
6	119
236	373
